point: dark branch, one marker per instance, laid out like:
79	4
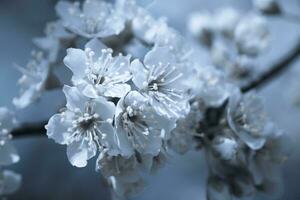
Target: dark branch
30	129
275	70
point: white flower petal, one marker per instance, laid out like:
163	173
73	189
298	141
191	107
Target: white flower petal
74	98
96	8
79	152
69	13
110	140
159	55
104	108
57	128
89	90
8	154
76	62
117	90
139	73
96	46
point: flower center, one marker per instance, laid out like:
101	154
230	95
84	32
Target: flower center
86	126
153	86
87	121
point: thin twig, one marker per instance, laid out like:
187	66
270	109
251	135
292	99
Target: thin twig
275	70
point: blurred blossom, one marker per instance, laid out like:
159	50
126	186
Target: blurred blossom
145	27
246	117
215	89
8	153
35	79
220	56
56	35
252	35
226	20
93	18
201	26
267	6
225	148
9	181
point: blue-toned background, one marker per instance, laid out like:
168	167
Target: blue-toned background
46	171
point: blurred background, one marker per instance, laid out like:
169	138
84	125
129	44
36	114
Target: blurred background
46	171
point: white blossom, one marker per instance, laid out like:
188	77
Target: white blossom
144	130
220	55
235	66
85	127
55	36
132	113
179	47
33	81
94	18
215	89
156	32
246	117
8	153
9	182
146	27
201	26
252	35
226	20
96	72
246	172
161	79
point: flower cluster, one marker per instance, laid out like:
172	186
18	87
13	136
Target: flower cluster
38	75
124	109
9	180
233	40
138	93
245	154
94	18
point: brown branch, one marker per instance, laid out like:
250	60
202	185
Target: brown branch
275	70
30	129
